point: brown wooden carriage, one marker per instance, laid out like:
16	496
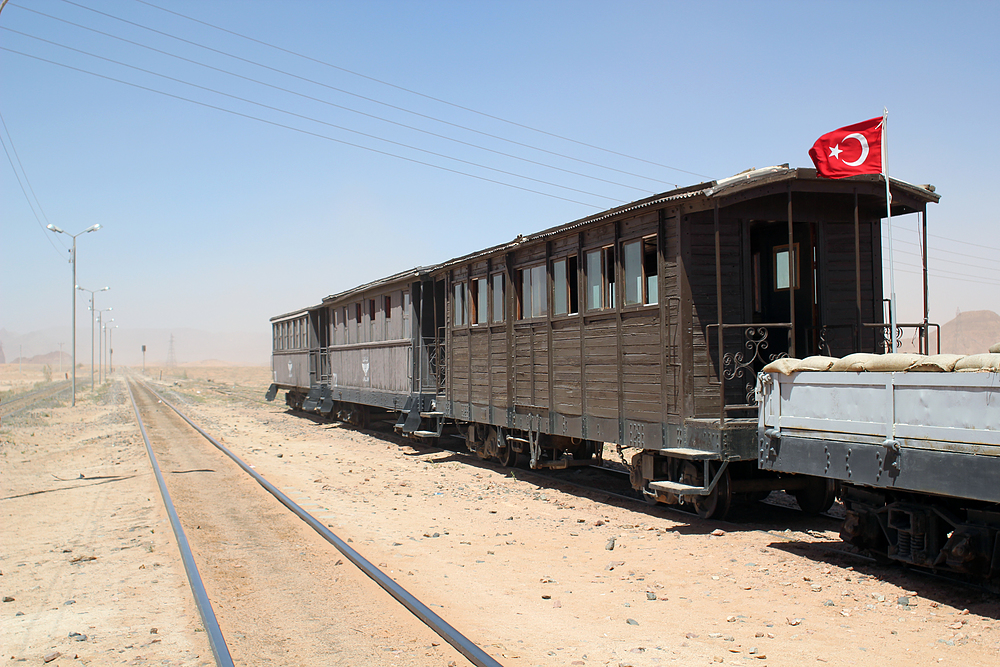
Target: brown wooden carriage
643	326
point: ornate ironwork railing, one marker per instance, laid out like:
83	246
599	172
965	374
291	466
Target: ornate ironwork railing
756	348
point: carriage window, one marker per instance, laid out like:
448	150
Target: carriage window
458	306
640	272
387	318
406	315
498	302
632	256
781	261
357	322
533	294
565	297
371	319
650	271
601	278
479	301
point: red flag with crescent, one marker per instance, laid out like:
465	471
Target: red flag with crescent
855	149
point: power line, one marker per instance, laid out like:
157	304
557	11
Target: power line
319	100
945	261
954	275
314	120
413	92
945	238
376	101
18	175
295	129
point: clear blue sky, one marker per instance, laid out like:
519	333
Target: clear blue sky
217	221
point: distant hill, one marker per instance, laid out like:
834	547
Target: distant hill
52	359
190	346
971	332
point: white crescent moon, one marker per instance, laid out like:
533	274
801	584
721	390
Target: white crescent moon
864	149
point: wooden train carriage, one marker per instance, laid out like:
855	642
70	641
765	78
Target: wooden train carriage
645	325
291	340
364	357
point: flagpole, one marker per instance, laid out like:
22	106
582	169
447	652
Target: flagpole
888	215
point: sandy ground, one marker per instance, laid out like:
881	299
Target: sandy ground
536	572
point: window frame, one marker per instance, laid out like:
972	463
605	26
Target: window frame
644	242
497	317
607	278
537	294
479	299
570	276
460	304
794	282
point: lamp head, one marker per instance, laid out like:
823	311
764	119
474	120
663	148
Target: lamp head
92	228
54	229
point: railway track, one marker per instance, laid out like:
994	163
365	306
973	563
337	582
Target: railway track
776	515
279	593
20	402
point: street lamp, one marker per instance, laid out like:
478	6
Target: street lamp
100	342
92	228
92	321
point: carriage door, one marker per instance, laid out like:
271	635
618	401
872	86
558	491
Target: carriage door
771	282
431	309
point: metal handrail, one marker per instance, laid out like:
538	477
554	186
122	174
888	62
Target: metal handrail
886	327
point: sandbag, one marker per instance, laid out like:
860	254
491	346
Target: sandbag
979	362
936	363
852	362
995	348
816	363
884	363
785	366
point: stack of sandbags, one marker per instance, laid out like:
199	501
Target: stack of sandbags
979	362
884	363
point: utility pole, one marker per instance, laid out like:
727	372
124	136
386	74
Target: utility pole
53	228
111	350
92	321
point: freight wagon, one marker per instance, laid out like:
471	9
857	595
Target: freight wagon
915	450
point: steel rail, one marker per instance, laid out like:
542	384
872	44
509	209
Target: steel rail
460	642
37	396
215	637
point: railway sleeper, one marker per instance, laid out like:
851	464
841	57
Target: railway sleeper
924	531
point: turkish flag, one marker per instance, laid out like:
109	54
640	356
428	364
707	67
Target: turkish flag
855	149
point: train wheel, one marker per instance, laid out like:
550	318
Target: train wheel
818	496
716	504
507	457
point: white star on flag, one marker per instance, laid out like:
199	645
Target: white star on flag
835	151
